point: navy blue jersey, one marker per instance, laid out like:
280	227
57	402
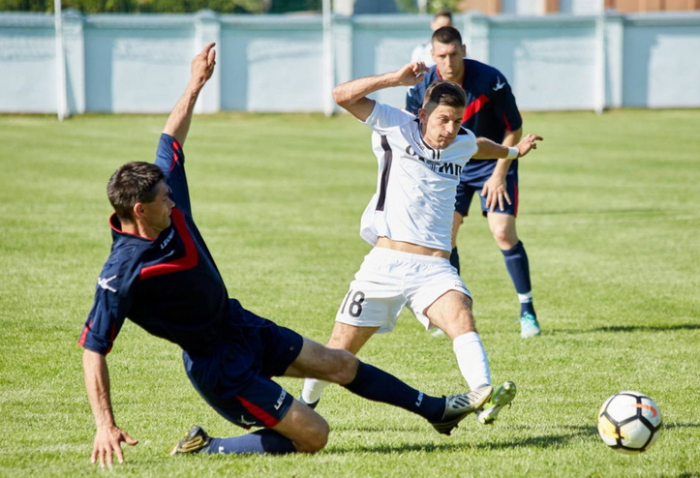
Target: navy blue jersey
170	286
490	113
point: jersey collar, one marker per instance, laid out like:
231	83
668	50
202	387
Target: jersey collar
117	233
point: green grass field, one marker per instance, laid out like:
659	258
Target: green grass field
608	212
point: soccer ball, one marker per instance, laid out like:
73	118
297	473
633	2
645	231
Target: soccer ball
629	422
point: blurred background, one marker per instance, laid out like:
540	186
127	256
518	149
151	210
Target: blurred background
132	56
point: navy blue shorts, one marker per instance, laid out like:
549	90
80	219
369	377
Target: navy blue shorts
466	190
235	378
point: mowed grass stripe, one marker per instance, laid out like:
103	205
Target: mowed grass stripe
608	213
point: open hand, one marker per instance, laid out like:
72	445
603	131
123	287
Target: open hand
496	193
527	143
108	441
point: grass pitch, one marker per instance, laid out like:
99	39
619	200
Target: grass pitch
608	213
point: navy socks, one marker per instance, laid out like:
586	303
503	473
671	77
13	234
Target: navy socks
261	441
519	269
375	384
370	383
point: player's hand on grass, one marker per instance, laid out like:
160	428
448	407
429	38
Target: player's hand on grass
528	143
496	193
203	64
107	441
411	74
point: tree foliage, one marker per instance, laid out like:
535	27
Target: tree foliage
138	6
434	6
189	6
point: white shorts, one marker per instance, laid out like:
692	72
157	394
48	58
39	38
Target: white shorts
388	280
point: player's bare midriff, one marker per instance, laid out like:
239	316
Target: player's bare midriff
387	243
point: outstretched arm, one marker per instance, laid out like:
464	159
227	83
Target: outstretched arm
109	436
353	95
202	67
489	149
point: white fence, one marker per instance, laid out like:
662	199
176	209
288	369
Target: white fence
140	63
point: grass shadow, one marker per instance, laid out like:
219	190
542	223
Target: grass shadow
596	212
671	426
627	329
546	441
378	429
646	328
408	447
541	442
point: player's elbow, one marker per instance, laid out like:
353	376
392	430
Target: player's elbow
479	154
342	96
486	149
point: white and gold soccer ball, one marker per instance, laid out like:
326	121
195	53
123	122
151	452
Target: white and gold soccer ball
629	422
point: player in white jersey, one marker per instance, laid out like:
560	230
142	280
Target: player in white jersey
409	223
416	183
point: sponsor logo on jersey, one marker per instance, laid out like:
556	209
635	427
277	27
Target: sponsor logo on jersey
443	168
498	84
165	256
104	283
167	240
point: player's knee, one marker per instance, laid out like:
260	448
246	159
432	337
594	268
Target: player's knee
460	327
315	439
499	233
345	367
504	237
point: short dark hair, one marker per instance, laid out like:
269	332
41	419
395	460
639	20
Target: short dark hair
443	92
446	35
444	13
134	182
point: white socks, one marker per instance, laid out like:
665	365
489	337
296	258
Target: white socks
312	390
472	360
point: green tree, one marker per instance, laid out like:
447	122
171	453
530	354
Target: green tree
137	6
434	6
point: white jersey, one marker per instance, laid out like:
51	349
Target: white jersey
416	184
423	53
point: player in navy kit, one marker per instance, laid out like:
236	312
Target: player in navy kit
161	275
491	112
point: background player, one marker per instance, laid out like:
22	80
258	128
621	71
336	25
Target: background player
491	112
409	223
423	52
160	274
